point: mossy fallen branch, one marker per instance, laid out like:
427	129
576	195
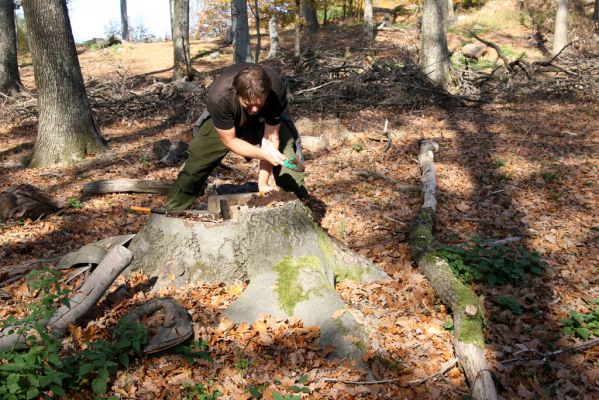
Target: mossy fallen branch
466	308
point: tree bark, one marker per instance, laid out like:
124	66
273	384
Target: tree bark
180	32
298	27
434	55
126	186
275	48
596	12
258	33
560	37
310	15
241	35
66	130
467	310
292	264
124	21
86	296
368	21
10	82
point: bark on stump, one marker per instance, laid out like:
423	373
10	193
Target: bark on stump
468	312
292	264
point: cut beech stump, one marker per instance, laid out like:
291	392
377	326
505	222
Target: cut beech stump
469	341
291	263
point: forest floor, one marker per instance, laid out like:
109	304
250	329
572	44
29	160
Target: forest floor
524	162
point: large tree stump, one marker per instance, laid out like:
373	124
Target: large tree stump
292	264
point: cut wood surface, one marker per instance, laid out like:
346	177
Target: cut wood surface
468	312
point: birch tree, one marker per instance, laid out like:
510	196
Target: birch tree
275	48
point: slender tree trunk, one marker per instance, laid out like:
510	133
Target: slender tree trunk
368	21
434	56
241	35
596	12
10	82
450	12
275	48
124	21
66	128
326	10
258	33
344	12
310	15
180	33
560	38
298	28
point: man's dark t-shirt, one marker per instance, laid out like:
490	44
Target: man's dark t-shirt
224	107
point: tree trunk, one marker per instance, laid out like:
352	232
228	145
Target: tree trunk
180	33
325	7
241	34
66	129
310	15
298	26
434	56
258	33
292	264
10	82
124	21
467	311
275	48
560	38
450	12
344	9
368	21
596	12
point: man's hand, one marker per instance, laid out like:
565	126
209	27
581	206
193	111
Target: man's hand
272	155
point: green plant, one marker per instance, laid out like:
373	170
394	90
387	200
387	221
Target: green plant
497	265
242	364
198	349
549	176
583	325
200	392
41	369
498	163
74	203
448	325
144	160
509	303
357	147
299	387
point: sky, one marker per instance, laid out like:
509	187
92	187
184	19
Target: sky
89	18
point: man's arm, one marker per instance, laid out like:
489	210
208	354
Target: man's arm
245	149
270	141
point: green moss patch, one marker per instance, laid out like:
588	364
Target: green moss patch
289	289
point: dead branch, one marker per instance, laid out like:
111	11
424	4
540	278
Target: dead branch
85	297
495	47
543	358
446	367
372	174
126	186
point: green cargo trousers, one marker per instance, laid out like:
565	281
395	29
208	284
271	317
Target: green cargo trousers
206	151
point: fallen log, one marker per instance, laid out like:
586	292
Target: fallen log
467	310
27	201
126	186
86	296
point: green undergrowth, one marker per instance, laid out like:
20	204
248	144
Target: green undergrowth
583	325
45	370
493	265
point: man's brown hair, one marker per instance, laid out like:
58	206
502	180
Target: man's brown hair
252	83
